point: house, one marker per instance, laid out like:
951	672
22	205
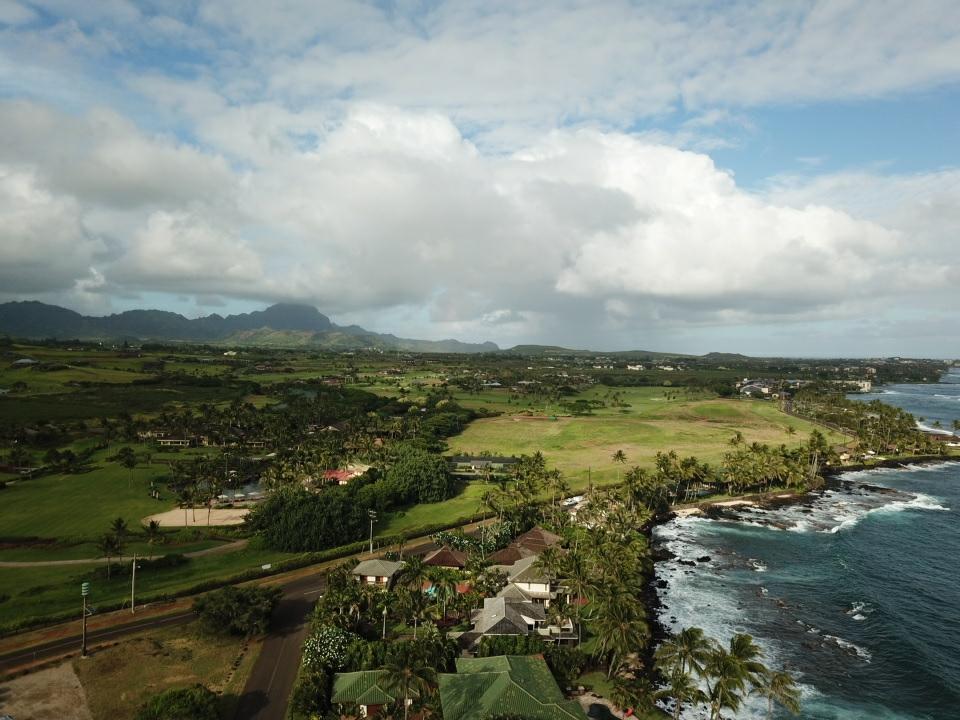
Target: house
537	539
530	580
531	543
174	442
446	557
507	616
364	690
345	475
376	572
505	685
476	463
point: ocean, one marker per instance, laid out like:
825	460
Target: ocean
856	591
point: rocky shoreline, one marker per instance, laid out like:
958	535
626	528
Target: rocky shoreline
721	509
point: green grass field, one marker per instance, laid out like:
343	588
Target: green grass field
583	447
43	591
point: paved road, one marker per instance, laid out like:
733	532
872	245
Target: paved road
64	646
268	688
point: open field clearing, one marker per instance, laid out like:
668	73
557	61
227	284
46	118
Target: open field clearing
584	445
118	679
80	506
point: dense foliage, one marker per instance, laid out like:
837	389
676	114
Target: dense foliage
237	610
296	520
193	703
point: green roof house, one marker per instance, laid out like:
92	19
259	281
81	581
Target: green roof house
364	690
520	686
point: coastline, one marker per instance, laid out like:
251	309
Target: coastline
659	553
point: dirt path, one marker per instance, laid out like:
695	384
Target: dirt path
52	694
218	550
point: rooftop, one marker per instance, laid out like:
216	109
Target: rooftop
504	685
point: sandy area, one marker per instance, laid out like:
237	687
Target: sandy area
733	503
198	517
53	694
687	512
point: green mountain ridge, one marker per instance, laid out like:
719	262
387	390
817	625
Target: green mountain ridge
282	325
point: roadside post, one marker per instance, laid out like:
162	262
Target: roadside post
84	591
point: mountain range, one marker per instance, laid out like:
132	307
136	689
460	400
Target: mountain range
282	325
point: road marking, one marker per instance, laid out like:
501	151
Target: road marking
313	592
276	667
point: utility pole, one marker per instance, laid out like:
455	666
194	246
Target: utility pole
372	514
384	623
133	583
84	591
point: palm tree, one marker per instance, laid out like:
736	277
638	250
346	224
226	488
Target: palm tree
687	652
619	457
153	532
619	625
445	582
780	688
409	680
119	529
683	690
745	651
108	547
725	682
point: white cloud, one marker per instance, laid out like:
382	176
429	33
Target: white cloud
103	158
43	243
391	209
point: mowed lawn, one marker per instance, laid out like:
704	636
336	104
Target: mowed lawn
82	506
657	419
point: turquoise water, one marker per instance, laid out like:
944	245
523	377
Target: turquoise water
856	591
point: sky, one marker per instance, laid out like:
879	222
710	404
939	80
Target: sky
772	178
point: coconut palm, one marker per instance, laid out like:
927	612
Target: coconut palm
153	532
683	690
409	680
779	687
746	652
620	458
725	682
109	547
687	652
618	622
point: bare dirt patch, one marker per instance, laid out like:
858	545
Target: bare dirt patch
52	694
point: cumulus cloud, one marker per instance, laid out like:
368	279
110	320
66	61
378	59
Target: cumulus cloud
43	242
469	168
391	208
102	157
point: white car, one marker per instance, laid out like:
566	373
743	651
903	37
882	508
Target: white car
570	502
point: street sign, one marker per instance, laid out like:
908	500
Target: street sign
85	589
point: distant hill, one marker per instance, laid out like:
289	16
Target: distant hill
282	325
557	351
